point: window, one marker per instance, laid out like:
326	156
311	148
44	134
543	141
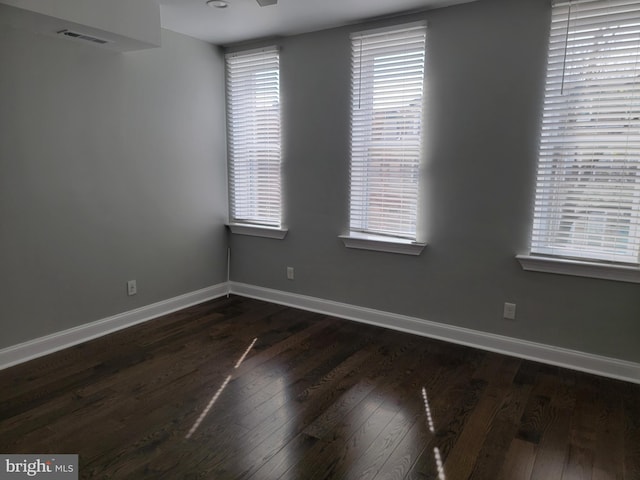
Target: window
587	203
253	128
387	80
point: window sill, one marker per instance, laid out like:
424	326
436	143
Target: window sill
258	230
563	266
381	243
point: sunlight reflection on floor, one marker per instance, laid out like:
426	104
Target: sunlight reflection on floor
436	450
436	453
208	407
427	409
218	392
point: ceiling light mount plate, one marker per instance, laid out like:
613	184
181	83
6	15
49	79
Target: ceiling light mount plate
217	3
266	3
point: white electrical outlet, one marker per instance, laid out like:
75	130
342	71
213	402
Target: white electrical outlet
290	273
509	311
132	288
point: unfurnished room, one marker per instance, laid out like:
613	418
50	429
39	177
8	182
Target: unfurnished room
291	239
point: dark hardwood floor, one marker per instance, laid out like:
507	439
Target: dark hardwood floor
192	396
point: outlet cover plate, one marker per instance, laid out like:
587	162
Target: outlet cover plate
509	311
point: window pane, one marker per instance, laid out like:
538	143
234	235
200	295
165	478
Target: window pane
253	125
386	129
588	191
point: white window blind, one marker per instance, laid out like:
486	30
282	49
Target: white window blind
386	129
588	189
253	128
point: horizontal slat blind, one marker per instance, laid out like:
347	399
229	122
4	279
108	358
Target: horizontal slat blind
253	129
386	129
588	190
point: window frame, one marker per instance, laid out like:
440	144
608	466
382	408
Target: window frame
574	165
401	61
254	142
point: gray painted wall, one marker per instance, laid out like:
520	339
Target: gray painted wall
485	79
112	167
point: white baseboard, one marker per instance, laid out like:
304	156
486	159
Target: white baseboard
572	359
57	341
562	357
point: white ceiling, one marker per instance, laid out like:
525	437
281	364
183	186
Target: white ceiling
245	20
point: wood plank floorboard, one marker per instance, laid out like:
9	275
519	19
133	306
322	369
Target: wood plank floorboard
242	389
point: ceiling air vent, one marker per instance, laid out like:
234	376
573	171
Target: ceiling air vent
83	36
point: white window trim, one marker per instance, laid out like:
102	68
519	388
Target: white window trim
258	230
580	268
255	220
571	258
360	235
380	243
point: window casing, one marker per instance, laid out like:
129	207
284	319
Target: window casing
587	204
387	83
254	138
